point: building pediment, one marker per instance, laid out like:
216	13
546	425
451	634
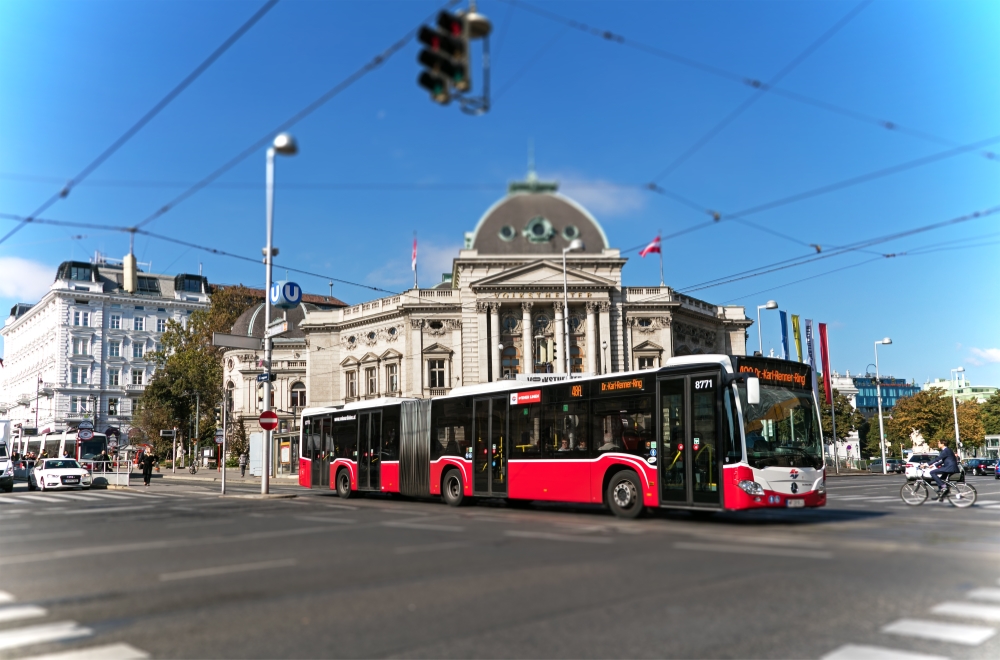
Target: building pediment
648	346
438	349
350	361
369	357
542	275
391	354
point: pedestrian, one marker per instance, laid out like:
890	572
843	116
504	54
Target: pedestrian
243	464
146	461
104	460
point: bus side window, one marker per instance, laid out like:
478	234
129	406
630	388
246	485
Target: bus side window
526	429
346	438
325	442
734	444
450	420
390	434
624	424
565	430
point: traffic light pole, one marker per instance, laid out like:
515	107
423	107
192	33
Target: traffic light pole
222	456
265	476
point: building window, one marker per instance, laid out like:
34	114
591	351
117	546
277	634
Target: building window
114	349
509	362
79	273
148	285
137	376
78	375
81	318
139	323
114	406
138	349
161	325
114	376
352	384
81	346
115	322
298	395
435	373
78	404
371	377
647	362
575	359
392	378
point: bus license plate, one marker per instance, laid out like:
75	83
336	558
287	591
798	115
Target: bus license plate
795	504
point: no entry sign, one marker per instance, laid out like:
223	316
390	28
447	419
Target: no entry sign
268	420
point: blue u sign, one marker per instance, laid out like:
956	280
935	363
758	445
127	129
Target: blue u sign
285	295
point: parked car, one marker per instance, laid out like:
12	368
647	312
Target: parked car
58	473
892	465
996	470
912	467
980	466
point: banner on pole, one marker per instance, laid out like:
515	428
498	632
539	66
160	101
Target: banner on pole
824	352
785	355
811	352
797	335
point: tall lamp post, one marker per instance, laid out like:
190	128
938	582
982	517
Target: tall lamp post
954	409
576	245
770	304
878	394
285	145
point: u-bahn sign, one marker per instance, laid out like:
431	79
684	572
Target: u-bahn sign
285	295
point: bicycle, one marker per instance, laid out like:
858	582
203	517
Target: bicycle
193	469
959	493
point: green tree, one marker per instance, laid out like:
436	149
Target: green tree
989	415
238	441
970	427
848	419
189	364
925	412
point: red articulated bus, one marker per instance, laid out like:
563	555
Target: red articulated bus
705	433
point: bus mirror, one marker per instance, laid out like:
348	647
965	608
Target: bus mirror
753	390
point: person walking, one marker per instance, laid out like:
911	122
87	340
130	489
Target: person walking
243	464
146	462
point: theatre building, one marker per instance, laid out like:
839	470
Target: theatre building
499	313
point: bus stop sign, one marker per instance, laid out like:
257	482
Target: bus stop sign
268	420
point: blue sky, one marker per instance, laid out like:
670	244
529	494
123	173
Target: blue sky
605	119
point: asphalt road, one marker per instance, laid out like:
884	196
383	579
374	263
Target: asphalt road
177	571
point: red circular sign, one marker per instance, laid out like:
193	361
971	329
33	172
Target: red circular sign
268	420
85	434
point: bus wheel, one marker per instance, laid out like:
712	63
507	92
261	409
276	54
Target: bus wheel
625	494
451	488
344	484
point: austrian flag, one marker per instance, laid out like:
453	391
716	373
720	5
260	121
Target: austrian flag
652	248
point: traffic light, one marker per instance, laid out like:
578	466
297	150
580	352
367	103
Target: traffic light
218	416
445	56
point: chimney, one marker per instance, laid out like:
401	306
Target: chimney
130	281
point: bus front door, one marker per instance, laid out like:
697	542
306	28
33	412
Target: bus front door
369	450
489	428
689	460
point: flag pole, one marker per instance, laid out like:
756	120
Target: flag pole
414	260
661	256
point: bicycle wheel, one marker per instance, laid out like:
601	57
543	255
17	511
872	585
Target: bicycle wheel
914	493
962	495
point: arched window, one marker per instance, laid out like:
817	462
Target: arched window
298	395
230	393
575	359
509	362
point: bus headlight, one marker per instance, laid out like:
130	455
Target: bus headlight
751	487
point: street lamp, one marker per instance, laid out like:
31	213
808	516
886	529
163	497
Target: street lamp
878	394
499	367
770	304
285	145
604	346
954	409
576	245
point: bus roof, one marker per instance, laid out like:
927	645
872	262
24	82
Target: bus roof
353	405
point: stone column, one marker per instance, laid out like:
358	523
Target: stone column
527	340
592	346
495	339
417	355
479	347
560	361
455	325
605	322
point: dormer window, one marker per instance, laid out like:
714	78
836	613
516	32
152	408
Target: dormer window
149	285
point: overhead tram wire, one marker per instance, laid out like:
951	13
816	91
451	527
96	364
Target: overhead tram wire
145	119
760	92
617	38
334	91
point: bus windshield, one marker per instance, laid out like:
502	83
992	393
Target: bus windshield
781	430
91	449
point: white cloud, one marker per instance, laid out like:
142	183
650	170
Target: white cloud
23	279
981	356
601	197
432	260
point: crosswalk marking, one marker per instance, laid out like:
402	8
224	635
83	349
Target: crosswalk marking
971	610
863	652
942	632
18	612
106	652
985	593
5	597
46	632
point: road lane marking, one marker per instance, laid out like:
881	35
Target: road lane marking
863	652
18	612
226	570
768	551
48	632
6	597
108	652
32	497
986	593
548	536
970	610
103	509
942	632
432	547
423	526
326	519
25	538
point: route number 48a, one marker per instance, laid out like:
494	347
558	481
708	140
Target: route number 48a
703	384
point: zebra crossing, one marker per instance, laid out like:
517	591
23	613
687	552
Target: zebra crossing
14	500
979	606
28	632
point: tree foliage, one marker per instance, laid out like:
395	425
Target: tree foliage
989	415
190	364
930	413
848	419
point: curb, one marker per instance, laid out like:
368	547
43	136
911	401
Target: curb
269	496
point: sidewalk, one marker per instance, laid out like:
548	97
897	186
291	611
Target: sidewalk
209	475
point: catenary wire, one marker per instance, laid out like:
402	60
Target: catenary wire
145	119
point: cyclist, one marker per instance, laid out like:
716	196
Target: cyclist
946	464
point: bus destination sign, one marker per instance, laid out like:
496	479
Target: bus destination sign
621	385
776	372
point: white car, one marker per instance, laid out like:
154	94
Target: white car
59	473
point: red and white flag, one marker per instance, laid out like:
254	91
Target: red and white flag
413	264
652	248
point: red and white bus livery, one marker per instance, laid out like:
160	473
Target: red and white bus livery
706	432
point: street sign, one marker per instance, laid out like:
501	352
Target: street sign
268	420
264	377
218	437
86	424
236	341
84	434
168	433
279	327
285	295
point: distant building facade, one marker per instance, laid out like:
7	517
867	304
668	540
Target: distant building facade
893	389
962	389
